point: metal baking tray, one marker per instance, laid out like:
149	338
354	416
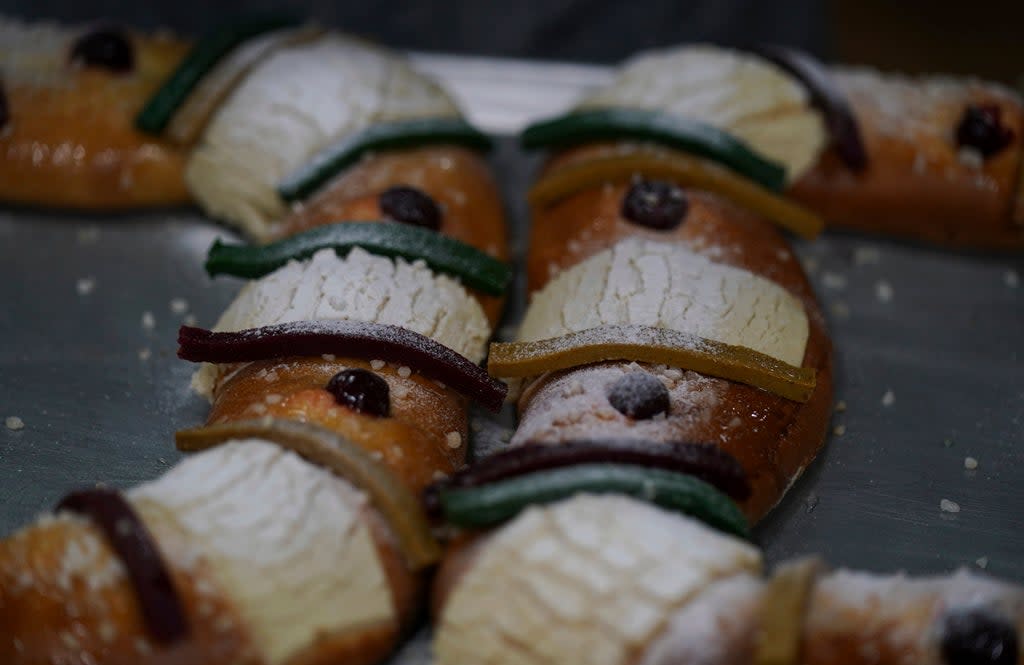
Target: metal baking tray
928	349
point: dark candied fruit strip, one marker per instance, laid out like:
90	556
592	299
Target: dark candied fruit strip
158	111
362	391
345	338
487	505
105	47
323	166
159	602
341	457
843	129
704	461
442	254
409	205
664	128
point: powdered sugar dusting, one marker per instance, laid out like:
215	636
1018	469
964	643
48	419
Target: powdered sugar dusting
574	405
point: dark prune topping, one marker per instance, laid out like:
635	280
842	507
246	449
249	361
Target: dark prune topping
159	603
981	128
105	47
977	637
639	395
362	391
410	206
656	204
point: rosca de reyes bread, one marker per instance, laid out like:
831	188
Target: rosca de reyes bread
730	348
611	580
261	117
936	158
68	100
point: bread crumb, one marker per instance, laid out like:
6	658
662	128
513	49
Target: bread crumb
14	423
88	235
840	406
85	285
454	439
148	320
404	372
948	506
377	364
884	291
863	256
888	398
179	305
145	354
982	562
839	430
841	309
970	463
832	280
1012	279
811	502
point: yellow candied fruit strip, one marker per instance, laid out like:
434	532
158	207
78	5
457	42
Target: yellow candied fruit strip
325	448
653	345
784	612
686	170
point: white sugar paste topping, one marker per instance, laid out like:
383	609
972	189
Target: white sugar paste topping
289	107
668	286
740	93
586	580
360	287
283	537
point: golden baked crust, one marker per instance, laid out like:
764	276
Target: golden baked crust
71	140
412	442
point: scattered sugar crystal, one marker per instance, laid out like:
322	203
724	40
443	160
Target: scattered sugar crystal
148	320
179	305
841	406
832	280
273	398
190	320
884	291
982	562
841	309
888	398
14	423
145	354
1012	279
377	364
85	285
839	430
329	357
863	256
970	463
454	439
948	506
404	372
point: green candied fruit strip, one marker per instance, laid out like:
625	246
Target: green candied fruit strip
299	184
442	254
671	130
487	505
